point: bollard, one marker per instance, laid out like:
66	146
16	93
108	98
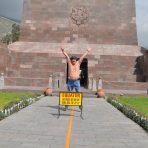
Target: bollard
50	84
1	81
100	83
90	83
94	85
56	83
61	81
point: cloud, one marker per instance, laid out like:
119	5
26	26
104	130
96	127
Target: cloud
142	22
11	9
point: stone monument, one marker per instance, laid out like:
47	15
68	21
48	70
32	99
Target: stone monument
92	21
108	27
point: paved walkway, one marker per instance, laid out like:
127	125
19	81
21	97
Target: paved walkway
103	126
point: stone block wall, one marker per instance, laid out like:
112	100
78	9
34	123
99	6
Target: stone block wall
91	21
145	68
31	63
32	69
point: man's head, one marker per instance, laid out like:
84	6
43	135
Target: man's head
73	60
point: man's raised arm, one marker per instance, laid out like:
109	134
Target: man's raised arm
85	53
65	54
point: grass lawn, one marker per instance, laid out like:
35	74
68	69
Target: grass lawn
7	97
139	103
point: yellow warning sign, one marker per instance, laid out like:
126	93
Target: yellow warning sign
71	98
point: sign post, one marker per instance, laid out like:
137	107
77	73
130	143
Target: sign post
70	99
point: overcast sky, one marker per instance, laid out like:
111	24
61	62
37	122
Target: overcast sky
142	22
13	9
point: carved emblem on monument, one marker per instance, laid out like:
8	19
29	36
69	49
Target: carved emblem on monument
79	15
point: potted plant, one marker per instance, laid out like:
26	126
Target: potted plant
100	93
48	91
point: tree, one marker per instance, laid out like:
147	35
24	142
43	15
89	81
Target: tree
15	32
13	36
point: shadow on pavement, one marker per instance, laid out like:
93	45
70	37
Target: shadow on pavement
62	108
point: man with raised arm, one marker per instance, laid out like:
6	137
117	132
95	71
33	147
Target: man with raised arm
74	70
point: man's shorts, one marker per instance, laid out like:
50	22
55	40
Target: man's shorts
73	84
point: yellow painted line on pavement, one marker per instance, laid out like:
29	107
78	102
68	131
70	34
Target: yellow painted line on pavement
67	144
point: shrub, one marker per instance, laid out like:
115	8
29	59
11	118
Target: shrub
130	113
13	36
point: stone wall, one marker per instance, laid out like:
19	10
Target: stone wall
33	69
91	21
31	63
145	68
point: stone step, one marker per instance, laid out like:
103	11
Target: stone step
113	68
116	61
116	57
21	81
36	60
34	82
112	76
89	93
45	73
125	85
34	72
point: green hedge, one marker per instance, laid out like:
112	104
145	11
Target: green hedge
15	106
130	113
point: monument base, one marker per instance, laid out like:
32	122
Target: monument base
30	64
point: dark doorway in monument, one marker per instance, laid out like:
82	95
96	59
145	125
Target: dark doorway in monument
83	73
